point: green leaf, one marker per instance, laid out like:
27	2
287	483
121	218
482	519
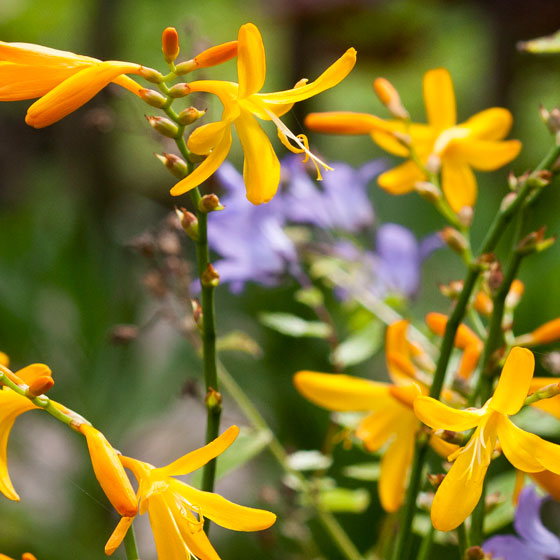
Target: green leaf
309	461
363	471
344	500
360	346
240	342
537	421
291	325
548	44
249	444
504	512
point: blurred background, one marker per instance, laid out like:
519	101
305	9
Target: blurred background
75	197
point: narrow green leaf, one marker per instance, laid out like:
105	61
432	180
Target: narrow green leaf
344	500
363	471
291	325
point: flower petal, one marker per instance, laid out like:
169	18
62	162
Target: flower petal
24	82
345	122
549	481
528	524
508	547
484	155
490	124
198	458
401	179
513	385
129	84
333	75
518	446
261	168
458	183
37	55
167	535
32	372
395	465
74	92
340	392
382	425
440	416
461	488
221	511
11	406
439	99
251	61
207	167
118	535
204	138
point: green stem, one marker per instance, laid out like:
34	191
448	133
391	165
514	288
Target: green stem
425	552
333	528
463	541
477	519
130	545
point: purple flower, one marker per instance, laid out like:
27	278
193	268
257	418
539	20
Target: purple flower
340	201
535	541
398	257
249	238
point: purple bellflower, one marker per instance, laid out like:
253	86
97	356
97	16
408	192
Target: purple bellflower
339	202
250	239
535	541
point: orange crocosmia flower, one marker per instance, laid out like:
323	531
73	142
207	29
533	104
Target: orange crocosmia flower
242	102
458	148
64	81
391	419
11	406
462	486
177	510
465	339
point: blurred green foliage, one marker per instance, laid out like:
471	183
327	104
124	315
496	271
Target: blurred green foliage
73	196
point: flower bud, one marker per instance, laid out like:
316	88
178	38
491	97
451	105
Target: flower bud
11	376
549	332
389	96
474	553
209	203
179	90
109	472
213	399
483	303
209	57
153	98
428	191
170	44
452	290
210	277
454	239
433	165
150	75
28	556
189	115
175	164
197	312
189	222
164	126
435	479
40	386
465	216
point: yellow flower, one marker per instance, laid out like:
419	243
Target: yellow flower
110	472
391	420
461	488
177	510
11	406
242	102
456	148
63	80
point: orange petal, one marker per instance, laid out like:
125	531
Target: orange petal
109	472
342	122
33	372
401	179
513	385
216	55
382	425
549	481
37	55
261	168
198	458
439	99
484	155
75	92
440	416
207	167
548	332
458	183
221	511
118	535
490	124
518	446
340	392
251	61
